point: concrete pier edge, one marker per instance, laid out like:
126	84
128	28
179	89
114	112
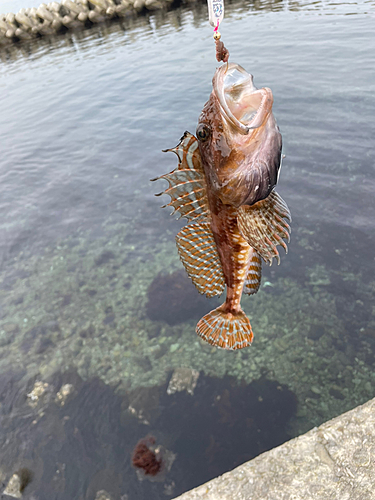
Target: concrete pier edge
333	461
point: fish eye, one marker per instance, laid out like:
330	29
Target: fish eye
203	132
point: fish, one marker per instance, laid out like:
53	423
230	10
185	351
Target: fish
224	185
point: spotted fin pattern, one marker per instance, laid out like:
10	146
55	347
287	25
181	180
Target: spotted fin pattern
263	226
198	253
254	274
187	185
226	330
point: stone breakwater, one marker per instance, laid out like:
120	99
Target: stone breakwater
53	18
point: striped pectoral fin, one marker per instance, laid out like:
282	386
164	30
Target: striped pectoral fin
187	185
198	253
264	226
254	274
226	330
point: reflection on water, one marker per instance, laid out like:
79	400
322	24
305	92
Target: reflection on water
95	311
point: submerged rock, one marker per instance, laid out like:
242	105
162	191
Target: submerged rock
151	460
103	495
64	393
18	483
39	390
183	379
13	488
104	257
315	332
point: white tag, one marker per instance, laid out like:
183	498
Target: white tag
215	12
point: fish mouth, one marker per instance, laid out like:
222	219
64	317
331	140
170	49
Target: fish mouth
243	104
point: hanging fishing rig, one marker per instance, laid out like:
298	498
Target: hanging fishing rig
215	17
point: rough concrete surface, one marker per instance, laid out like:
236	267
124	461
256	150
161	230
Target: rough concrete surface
333	461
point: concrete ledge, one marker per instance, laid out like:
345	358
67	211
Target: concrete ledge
333	461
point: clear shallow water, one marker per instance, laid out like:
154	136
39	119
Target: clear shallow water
84	118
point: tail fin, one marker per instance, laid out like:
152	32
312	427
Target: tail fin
226	330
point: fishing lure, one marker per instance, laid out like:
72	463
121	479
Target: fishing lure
216	16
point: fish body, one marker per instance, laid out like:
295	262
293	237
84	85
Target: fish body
224	186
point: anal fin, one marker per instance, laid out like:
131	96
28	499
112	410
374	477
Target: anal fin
197	250
254	274
264	226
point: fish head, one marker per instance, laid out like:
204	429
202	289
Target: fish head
239	140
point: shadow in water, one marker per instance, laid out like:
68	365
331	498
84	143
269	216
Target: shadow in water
173	298
77	438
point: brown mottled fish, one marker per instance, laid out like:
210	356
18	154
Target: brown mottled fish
224	185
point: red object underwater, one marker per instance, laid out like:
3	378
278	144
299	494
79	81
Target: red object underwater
146	457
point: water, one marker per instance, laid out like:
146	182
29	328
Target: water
83	120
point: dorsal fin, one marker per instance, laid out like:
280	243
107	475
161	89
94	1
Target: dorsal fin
254	274
198	253
187	185
263	226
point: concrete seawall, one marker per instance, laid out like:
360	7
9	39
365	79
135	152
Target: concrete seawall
335	461
54	18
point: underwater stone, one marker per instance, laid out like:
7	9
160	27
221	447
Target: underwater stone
107	255
144	362
159	351
315	390
38	332
43	344
318	276
38	391
183	379
337	394
174	347
18	483
63	394
13	488
108	319
88	332
145	457
281	344
5	338
10	328
368	332
315	332
154	330
368	386
103	495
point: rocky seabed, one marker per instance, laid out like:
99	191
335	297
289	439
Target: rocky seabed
53	18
